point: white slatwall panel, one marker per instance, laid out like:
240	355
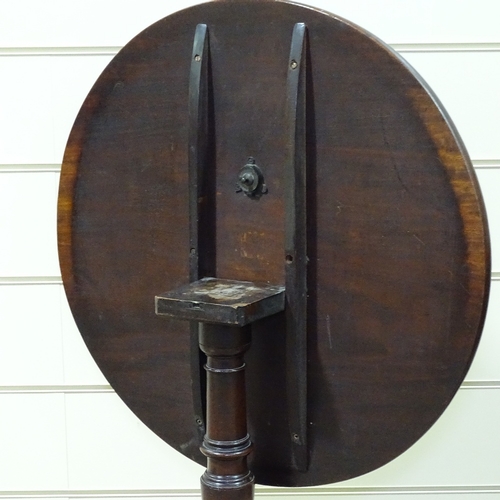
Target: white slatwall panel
50	91
28	240
33	442
63	432
31	347
24	131
130	456
485	367
489	180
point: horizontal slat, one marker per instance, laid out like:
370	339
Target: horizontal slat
30	280
444	493
58	51
386	494
56	167
46	495
98	389
112	51
30	167
483	384
58	23
445	47
486	164
55	389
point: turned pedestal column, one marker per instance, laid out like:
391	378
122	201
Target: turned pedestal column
227	443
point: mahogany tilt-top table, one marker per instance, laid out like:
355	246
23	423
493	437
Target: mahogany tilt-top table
273	243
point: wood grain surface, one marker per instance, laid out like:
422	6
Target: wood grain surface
398	249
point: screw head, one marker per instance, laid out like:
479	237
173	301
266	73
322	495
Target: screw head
247	178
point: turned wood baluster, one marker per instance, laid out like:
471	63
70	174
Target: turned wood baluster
227	443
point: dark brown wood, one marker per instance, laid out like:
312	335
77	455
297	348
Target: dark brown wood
200	198
296	246
227	443
198	145
397	243
226	302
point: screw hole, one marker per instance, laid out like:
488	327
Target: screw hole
289	259
197	58
295	438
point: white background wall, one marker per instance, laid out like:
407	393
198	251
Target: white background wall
63	431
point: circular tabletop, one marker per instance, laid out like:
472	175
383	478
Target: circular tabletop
398	251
